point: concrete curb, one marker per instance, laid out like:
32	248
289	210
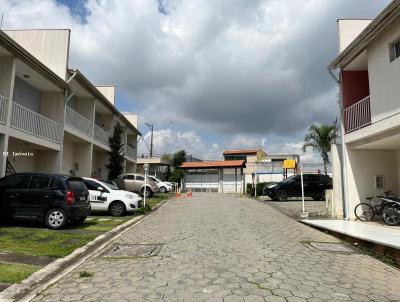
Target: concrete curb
48	275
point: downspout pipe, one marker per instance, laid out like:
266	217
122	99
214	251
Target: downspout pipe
343	162
67	98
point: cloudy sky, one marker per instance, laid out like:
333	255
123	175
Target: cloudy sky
209	74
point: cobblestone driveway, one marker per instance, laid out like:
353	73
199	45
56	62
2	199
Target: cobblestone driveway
225	248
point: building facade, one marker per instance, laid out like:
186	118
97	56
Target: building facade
368	68
52	118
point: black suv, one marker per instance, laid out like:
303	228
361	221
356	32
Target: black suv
51	198
314	187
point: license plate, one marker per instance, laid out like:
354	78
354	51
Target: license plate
82	198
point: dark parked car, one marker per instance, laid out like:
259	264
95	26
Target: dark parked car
51	198
314	187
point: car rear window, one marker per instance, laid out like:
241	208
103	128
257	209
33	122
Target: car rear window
76	185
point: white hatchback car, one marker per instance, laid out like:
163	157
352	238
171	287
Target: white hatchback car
106	196
162	185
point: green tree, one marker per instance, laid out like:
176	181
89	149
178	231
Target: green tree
117	155
178	174
320	139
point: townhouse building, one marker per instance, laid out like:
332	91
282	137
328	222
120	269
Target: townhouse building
368	72
52	118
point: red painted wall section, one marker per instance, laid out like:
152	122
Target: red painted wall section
355	87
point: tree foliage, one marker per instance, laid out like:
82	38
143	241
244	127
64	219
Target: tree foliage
178	174
117	155
320	139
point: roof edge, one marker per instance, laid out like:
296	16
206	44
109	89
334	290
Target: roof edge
360	42
20	52
95	92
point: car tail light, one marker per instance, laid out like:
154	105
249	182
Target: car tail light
70	198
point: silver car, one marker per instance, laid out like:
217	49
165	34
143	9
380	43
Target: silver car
136	183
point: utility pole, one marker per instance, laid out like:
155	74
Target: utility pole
151	127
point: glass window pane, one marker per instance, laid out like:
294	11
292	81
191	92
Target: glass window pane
17	181
39	182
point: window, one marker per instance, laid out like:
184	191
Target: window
139	177
39	182
394	50
92	185
129	177
17	182
76	185
379	182
56	184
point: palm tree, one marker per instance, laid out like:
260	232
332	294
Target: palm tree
320	139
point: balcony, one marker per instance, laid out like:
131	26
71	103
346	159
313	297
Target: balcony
78	121
357	115
131	152
33	123
101	135
3	109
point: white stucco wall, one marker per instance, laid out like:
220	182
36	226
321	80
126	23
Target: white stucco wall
384	75
50	46
80	153
48	161
108	92
22	163
6	75
349	30
52	106
335	205
100	161
26	95
133	119
363	165
68	157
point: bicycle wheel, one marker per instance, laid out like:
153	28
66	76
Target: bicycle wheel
364	212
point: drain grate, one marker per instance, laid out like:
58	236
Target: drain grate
132	250
332	247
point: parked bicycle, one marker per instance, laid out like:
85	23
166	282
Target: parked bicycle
387	206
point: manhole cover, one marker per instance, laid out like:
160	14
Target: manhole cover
132	250
331	247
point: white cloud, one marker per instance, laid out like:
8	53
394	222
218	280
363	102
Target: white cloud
245	70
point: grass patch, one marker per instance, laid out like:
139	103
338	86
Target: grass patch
85	274
158	198
14	273
39	241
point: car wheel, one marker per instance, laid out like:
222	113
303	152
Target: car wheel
149	193
117	208
281	195
78	221
55	219
163	190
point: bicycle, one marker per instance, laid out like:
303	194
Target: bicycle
367	211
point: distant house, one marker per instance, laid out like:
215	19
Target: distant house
369	71
157	166
239	167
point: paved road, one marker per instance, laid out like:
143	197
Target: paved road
226	248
